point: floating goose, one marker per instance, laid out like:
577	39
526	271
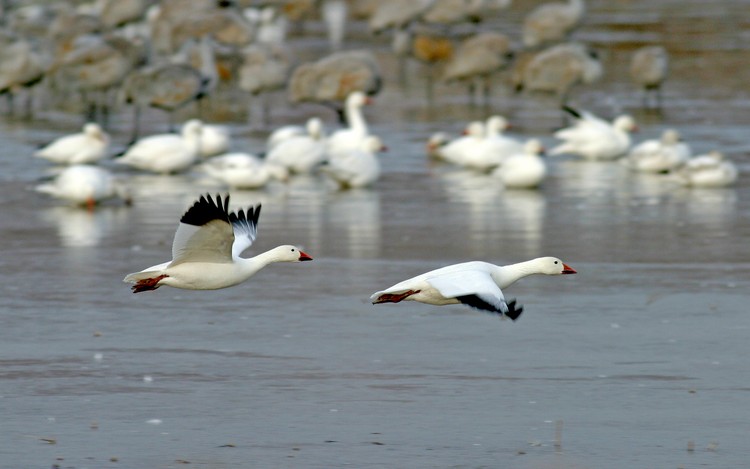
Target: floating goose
85	185
165	153
88	146
594	138
476	284
206	250
243	170
659	155
709	170
524	170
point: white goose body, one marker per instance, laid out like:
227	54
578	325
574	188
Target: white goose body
524	170
476	283
594	138
350	138
243	170
165	153
206	250
493	148
215	139
659	155
85	184
709	170
458	150
355	169
88	146
313	127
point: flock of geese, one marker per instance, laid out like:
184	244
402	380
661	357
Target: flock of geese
169	54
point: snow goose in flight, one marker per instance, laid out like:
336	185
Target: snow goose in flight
88	146
206	250
476	284
594	138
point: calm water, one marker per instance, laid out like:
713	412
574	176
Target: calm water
633	361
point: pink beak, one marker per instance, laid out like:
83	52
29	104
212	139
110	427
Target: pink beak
568	269
304	257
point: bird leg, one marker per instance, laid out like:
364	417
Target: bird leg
394	297
147	284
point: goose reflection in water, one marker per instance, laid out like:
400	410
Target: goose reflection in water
497	217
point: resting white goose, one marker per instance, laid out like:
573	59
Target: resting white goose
524	170
457	150
300	154
356	168
594	138
709	170
85	185
493	148
659	155
476	284
88	146
206	250
165	153
215	139
351	138
243	170
313	126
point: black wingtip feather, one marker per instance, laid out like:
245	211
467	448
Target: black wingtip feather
572	111
206	210
514	311
251	217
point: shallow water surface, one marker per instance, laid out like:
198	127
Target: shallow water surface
637	361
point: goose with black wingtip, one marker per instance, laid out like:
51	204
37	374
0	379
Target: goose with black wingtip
476	284
206	250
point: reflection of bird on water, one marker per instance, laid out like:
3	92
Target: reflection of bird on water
356	215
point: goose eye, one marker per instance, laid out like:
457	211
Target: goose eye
555	262
292	249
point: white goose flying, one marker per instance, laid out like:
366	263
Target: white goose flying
206	250
477	284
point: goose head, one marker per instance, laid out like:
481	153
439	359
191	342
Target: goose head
553	266
625	123
496	124
289	253
670	137
533	147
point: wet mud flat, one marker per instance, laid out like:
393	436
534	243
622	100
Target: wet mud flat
637	361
